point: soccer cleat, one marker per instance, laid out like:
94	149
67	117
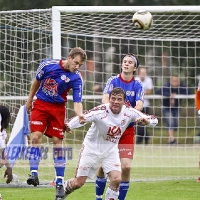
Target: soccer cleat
59	192
33	180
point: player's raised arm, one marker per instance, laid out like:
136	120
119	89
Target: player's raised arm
105	98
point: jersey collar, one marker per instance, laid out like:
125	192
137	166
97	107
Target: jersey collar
120	76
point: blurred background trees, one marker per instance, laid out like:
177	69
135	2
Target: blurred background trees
27	4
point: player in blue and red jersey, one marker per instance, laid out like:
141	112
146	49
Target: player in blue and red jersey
54	79
134	98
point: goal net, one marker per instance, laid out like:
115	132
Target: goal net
170	46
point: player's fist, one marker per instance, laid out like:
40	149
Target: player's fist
68	129
143	121
82	119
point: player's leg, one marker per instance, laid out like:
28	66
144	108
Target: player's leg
74	184
86	167
112	191
34	158
38	123
126	150
101	181
112	166
59	165
55	130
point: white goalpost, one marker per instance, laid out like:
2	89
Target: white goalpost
170	46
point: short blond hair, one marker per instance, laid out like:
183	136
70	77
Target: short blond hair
78	51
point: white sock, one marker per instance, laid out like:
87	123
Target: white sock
111	194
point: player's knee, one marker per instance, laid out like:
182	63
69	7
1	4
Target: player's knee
36	138
126	168
115	181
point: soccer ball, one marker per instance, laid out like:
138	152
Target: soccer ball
142	19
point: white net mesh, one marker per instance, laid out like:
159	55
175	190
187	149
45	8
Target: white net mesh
170	46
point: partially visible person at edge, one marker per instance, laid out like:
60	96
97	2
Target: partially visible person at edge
4	122
54	79
171	105
197	101
134	97
100	145
147	84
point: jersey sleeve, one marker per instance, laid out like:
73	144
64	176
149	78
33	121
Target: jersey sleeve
139	93
41	71
109	86
77	88
153	121
90	116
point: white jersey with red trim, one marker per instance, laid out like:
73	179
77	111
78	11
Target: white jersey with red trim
106	129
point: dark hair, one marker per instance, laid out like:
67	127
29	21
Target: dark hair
116	91
78	51
134	58
5	115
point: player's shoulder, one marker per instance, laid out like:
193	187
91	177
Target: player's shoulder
114	77
49	62
137	82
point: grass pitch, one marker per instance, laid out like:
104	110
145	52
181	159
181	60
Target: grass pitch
155	190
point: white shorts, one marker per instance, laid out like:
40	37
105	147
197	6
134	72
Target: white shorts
89	163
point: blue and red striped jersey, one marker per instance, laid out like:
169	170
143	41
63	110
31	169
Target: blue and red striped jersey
56	82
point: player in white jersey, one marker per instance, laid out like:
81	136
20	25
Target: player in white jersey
4	121
100	146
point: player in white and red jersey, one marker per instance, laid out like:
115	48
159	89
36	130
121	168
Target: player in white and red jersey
4	121
100	146
54	79
134	97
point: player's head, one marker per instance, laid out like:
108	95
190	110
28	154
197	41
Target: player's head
117	99
75	59
4	117
130	63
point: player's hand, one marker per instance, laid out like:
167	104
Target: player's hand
29	106
142	121
198	112
82	119
8	175
68	129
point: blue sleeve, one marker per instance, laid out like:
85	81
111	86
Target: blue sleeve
139	93
109	86
41	71
77	88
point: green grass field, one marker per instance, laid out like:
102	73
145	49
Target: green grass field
155	190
